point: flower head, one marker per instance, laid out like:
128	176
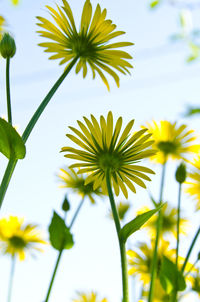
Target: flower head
140	261
171	141
103	149
193	182
92	297
17	238
76	182
169	221
90	44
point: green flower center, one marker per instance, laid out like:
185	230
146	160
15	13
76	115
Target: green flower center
83	47
17	242
167	147
111	161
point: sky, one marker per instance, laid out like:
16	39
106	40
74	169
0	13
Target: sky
161	85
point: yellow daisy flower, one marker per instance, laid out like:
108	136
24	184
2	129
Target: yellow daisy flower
16	238
76	182
172	141
90	45
140	262
82	297
103	149
169	221
193	182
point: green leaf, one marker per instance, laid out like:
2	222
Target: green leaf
60	236
170	278
135	224
11	143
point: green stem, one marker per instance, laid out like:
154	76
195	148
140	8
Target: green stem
174	295
191	268
76	213
6	179
53	276
12	163
158	229
11	278
178	224
121	242
8	90
190	249
60	252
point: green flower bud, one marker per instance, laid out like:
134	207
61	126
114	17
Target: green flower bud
181	173
7	46
65	205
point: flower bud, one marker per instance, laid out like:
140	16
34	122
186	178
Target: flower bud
7	46
181	173
65	205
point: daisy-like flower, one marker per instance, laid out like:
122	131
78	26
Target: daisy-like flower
103	149
76	182
140	261
92	297
169	221
193	182
172	141
89	45
16	238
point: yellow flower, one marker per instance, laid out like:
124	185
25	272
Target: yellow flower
169	221
16	238
76	182
193	183
90	45
172	141
140	262
82	297
103	149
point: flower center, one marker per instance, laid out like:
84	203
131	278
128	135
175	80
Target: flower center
111	161
83	47
17	242
167	147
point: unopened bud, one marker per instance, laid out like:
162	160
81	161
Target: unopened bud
65	205
7	46
181	173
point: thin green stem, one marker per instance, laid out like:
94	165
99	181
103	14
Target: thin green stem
178	224
11	278
6	179
53	276
191	267
60	252
158	230
8	91
76	212
190	249
121	242
174	294
12	163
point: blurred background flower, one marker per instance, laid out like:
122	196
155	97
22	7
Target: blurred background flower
89	297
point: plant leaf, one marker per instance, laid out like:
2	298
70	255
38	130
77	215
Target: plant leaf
60	236
170	277
11	143
135	224
154	3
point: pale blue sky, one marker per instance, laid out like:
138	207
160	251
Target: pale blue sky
160	86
